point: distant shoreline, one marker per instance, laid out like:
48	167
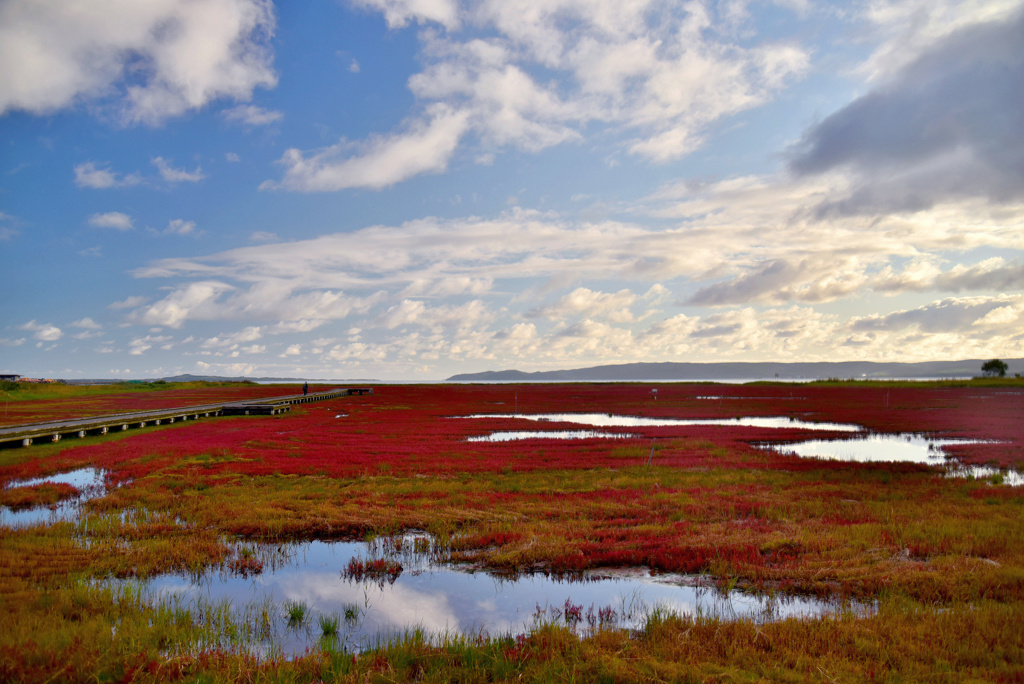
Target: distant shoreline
733	372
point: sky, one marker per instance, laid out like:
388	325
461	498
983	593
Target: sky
409	189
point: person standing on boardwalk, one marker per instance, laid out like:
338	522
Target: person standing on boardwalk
305	388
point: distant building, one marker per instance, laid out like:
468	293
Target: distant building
10	378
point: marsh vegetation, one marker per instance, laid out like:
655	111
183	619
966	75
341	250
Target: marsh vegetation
938	560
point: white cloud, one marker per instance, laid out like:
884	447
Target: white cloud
251	115
44	332
234	340
616	307
9	342
238	369
299	326
473	314
263	236
173	175
129	303
194	300
398	13
232	157
148	60
952	315
908	28
531	75
180	227
87	323
991	274
424	147
140	345
113	219
88	175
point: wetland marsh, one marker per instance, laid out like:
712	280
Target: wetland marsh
387	545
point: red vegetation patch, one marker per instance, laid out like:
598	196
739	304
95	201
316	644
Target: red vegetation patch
376	570
44	494
414	430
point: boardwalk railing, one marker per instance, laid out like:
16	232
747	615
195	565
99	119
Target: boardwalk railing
54	431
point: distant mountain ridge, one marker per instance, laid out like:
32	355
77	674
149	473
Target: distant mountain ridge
864	370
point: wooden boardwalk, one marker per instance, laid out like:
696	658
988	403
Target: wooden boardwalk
54	431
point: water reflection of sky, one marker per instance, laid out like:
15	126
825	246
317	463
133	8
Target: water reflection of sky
863	447
607	420
440	599
89	481
902	448
517	435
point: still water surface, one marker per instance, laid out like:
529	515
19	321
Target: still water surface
441	599
609	420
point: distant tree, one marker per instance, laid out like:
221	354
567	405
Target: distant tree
994	368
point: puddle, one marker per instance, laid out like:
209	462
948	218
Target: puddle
864	447
513	435
608	420
903	448
369	609
718	397
88	481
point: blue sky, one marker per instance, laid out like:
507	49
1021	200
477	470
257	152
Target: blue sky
408	189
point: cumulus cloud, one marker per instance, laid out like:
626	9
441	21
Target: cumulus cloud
398	13
44	332
536	286
946	126
194	300
531	75
292	350
147	60
114	219
180	227
87	323
140	345
89	175
129	303
995	274
234	340
174	175
583	301
956	314
962	327
425	146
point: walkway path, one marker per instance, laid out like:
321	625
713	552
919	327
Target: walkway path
24	435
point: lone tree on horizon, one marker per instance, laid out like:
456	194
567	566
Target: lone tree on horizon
994	368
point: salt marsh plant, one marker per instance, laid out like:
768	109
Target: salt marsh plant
351	613
296	612
329	624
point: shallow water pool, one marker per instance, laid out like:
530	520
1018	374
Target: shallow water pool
89	481
901	448
446	600
609	420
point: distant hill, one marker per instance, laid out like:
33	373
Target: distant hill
745	371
